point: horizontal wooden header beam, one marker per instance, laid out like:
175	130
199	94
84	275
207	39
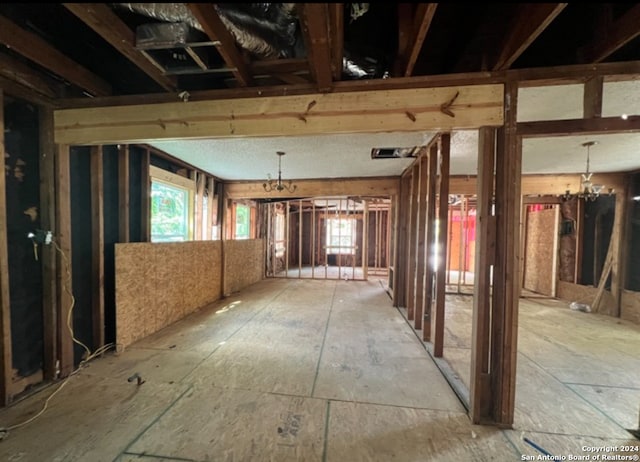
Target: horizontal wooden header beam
406	110
317	188
569	127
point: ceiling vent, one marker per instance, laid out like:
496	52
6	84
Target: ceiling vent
394	153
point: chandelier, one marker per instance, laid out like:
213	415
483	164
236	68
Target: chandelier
588	190
279	186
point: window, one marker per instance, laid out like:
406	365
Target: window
243	222
171	207
341	236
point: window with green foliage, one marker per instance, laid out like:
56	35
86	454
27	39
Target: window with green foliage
341	236
170	215
243	221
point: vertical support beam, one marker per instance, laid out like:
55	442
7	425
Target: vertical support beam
592	98
365	241
123	193
210	199
62	239
443	221
412	247
401	235
145	203
199	177
299	238
430	240
506	287
618	241
97	246
48	252
480	390
314	244
288	240
579	239
422	248
5	307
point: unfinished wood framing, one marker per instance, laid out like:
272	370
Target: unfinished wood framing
210	205
430	239
97	246
422	250
48	252
62	241
444	147
5	304
123	194
145	200
412	246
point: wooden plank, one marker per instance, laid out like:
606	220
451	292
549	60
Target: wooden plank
314	24
362	112
443	220
62	239
199	215
623	249
106	23
25	75
411	246
506	287
123	193
529	22
592	101
336	35
480	395
6	361
431	242
422	22
13	88
214	27
210	204
97	246
386	186
422	250
40	52
621	32
402	220
569	127
48	252
145	201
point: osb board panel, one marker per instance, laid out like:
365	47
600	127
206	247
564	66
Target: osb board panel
585	294
158	284
630	309
539	253
244	264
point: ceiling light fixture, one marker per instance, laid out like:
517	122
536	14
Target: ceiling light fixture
279	186
588	190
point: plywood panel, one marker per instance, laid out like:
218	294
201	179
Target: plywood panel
540	251
630	309
244	264
158	284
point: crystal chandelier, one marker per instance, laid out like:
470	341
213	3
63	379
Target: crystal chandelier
279	186
588	190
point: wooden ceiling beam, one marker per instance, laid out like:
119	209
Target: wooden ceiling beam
17	90
621	32
421	25
314	23
530	21
569	127
106	23
215	29
16	70
40	52
336	28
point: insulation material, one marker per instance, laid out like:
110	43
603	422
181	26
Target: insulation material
630	309
244	264
158	284
540	251
585	294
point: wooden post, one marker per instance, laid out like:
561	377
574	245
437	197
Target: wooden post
412	245
430	239
506	287
314	245
200	180
62	239
422	248
618	238
365	240
48	252
288	240
123	193
299	238
480	396
145	203
97	246
210	200
5	306
402	234
443	220
579	240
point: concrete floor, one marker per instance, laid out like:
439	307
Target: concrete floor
287	370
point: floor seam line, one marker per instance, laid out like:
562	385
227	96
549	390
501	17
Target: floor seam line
324	339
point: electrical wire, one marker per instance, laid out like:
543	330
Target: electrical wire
88	356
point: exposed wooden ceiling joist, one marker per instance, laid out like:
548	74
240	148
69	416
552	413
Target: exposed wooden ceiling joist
13	88
213	26
103	20
422	22
530	21
15	70
314	23
39	51
336	25
571	127
622	31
